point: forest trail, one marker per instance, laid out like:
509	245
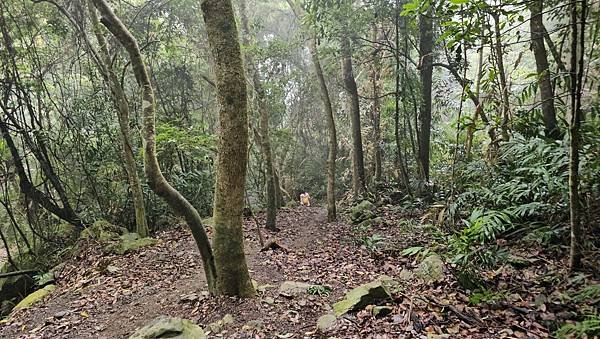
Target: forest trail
109	296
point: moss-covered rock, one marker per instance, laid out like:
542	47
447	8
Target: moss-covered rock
169	327
103	231
363	211
363	295
431	269
130	242
34	297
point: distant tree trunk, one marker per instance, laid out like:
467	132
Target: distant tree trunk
332	141
426	73
358	172
543	70
263	108
576	82
376	111
232	271
156	180
478	106
279	200
122	108
497	46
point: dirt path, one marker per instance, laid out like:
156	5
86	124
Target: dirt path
101	296
110	296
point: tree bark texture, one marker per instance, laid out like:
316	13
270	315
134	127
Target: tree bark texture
228	240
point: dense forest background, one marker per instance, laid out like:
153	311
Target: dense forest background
477	118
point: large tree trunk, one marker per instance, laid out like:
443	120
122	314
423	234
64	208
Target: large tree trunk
426	73
358	172
543	70
576	82
156	180
263	108
232	271
122	108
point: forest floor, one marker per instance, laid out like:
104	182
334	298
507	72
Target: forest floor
102	295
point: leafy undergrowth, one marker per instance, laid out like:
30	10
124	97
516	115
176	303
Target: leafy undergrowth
103	295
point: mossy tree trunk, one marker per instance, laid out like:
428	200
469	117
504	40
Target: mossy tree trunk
358	166
232	271
122	107
154	176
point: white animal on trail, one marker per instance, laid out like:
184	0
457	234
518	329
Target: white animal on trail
304	199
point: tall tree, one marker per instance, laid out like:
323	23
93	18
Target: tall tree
232	271
376	109
426	74
400	96
264	112
576	85
358	166
154	176
541	62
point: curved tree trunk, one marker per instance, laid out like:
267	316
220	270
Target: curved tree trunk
543	70
358	172
156	180
118	96
232	271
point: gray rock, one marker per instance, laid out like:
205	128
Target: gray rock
326	322
293	288
169	327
